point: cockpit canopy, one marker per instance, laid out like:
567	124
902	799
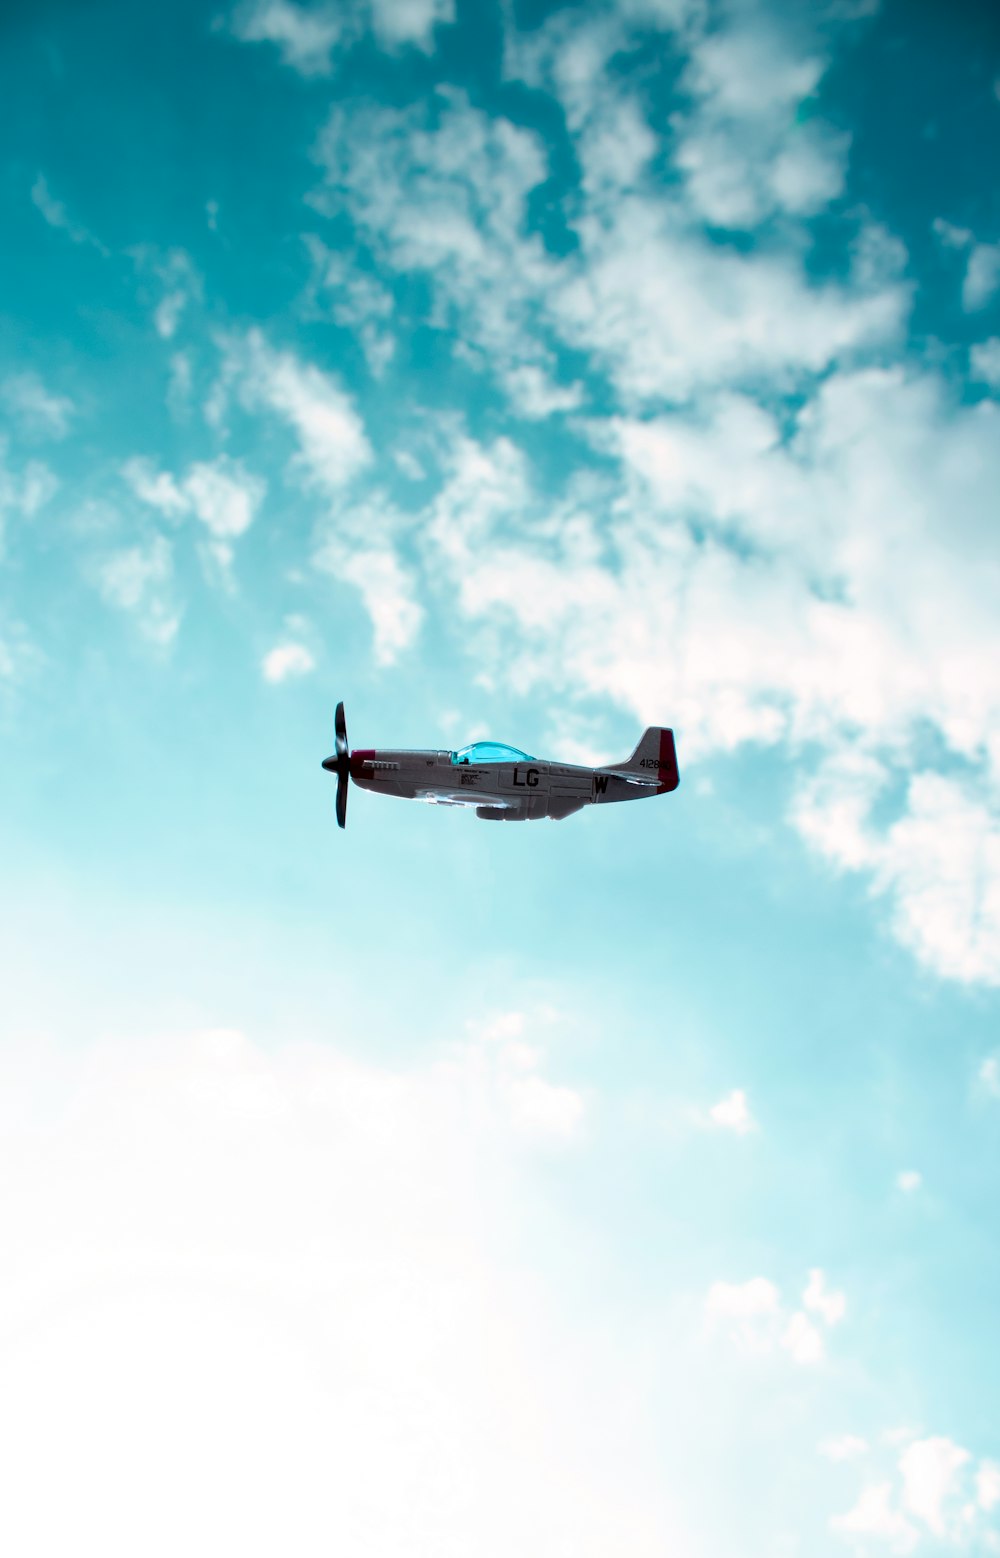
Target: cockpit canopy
490	752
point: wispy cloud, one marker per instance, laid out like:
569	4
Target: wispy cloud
843	1447
982	276
875	1514
221	494
387	589
57	216
333	447
25	490
984	361
989	1075
38	412
138	580
505	1054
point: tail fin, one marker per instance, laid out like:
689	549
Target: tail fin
654	759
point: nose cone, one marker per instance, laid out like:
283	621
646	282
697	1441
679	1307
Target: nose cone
330	764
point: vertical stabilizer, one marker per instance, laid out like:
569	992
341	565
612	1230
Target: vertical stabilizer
654	759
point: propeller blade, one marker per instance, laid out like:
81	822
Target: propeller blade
342	800
340	726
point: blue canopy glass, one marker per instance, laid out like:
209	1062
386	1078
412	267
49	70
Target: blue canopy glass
490	752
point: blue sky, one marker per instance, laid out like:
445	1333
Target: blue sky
542	372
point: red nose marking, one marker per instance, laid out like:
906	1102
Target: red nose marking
358	760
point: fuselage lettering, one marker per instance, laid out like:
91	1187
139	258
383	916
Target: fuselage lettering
530	779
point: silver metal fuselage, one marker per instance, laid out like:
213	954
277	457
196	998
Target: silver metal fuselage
504	791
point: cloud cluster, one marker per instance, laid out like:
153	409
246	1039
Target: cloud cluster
932	1496
221	494
757	1321
309	37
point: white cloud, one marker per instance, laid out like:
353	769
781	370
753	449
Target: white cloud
23	492
304	37
875	1514
311	1265
982	276
929	1469
533	395
941	862
909	1180
989	1075
844	1447
387	590
818	1298
176	280
443	189
158	489
757	1322
307	37
669	314
763	1324
732	1113
936	1494
828	579
801	1338
330	434
984	362
38	486
545	1110
661	308
743	1300
287	660
409	21
356	299
504	1061
988	1485
741	148
168	314
39	413
138	581
224	496
180	383
951	236
221	494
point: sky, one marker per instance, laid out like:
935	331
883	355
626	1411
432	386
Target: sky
537	371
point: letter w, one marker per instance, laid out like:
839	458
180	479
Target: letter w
600	784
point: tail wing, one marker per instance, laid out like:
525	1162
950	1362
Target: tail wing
654	761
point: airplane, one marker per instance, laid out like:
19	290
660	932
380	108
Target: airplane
502	783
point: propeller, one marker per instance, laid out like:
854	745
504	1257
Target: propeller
340	764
